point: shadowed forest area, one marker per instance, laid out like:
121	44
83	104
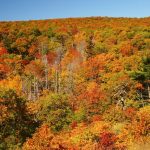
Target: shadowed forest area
75	84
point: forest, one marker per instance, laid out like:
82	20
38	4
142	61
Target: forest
75	84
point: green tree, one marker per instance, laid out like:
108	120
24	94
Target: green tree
55	111
16	124
143	76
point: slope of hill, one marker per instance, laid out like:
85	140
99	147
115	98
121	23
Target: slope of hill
75	83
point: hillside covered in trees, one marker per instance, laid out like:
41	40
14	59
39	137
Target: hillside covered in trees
75	84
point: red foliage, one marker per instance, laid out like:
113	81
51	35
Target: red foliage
25	62
3	51
74	124
51	56
107	141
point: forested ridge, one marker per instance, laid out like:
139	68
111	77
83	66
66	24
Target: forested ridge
75	84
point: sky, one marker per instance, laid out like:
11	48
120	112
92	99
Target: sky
11	10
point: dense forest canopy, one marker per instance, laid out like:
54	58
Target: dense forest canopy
76	83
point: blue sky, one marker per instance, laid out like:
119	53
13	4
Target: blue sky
45	9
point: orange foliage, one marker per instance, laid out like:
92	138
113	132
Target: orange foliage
88	60
35	68
93	93
72	56
139	86
127	49
44	139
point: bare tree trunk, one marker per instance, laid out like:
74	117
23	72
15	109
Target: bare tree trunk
30	91
141	96
46	71
37	90
148	88
58	71
34	88
46	79
45	61
70	79
56	81
59	76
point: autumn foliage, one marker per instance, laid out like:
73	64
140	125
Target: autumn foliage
75	84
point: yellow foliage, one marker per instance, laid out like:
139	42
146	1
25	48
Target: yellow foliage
80	37
14	83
